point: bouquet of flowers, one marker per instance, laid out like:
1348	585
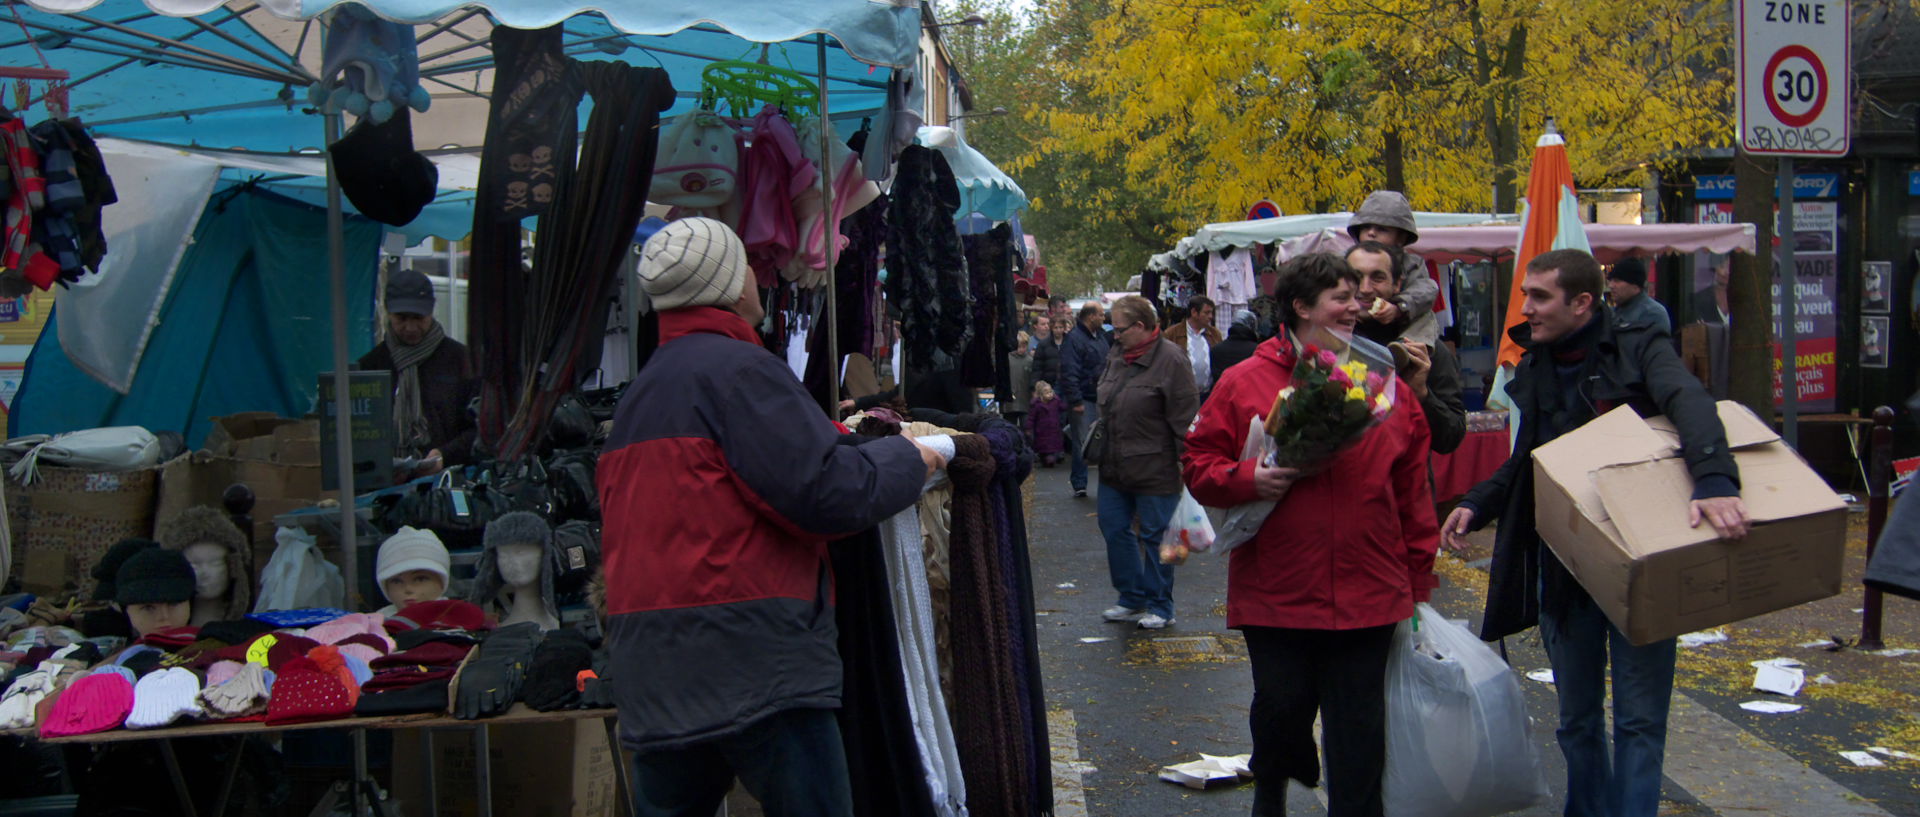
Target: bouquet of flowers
1327	407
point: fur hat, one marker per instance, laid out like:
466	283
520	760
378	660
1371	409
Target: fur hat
516	528
203	523
693	262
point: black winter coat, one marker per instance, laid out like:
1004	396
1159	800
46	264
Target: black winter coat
1082	360
447	387
1046	362
1630	364
1239	345
1446	411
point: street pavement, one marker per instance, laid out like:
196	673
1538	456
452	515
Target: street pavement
1126	702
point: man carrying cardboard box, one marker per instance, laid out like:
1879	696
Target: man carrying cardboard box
1583	360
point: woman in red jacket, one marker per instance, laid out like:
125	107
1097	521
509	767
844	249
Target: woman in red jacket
1343	557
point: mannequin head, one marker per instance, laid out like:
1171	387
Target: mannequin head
209	563
156	588
412	567
520	564
516	569
221	559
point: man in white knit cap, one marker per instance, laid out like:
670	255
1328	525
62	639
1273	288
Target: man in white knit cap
720	486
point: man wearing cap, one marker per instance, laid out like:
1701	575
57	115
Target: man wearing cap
721	486
1627	288
433	381
1387	217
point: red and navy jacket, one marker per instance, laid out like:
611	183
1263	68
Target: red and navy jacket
720	486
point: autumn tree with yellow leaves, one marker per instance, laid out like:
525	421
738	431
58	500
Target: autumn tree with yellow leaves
1201	107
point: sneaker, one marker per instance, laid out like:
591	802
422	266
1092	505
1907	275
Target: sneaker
1121	613
1153	621
1079	493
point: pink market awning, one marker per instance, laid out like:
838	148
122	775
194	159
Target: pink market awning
1610	241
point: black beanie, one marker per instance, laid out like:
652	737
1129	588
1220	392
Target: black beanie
154	575
380	172
1630	270
108	568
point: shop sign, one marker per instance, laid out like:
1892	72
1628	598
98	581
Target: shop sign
1719	187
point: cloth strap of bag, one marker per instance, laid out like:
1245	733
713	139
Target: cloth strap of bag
409	418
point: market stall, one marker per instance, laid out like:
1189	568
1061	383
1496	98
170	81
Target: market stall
542	439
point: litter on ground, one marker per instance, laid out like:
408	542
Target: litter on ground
1703	638
1770	707
1544	676
1862	759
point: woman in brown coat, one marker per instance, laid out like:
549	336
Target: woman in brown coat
1147	400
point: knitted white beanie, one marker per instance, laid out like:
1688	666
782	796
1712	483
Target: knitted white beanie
693	262
411	549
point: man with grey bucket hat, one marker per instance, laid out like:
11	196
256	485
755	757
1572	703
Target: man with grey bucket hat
1387	217
433	381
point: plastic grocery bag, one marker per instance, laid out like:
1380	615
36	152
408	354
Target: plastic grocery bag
297	576
1189	530
1457	742
1243	521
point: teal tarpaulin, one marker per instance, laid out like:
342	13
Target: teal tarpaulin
247	327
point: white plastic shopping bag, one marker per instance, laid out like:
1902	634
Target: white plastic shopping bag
1457	730
1189	530
298	577
1243	521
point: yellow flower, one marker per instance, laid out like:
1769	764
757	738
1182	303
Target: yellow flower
1381	402
1356	370
1357	393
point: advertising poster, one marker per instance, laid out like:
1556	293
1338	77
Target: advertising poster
1816	315
1876	335
1876	287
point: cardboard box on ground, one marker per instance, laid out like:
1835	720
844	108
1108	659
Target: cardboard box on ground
277	457
66	520
1612	500
562	769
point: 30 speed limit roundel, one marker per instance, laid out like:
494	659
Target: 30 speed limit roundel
1796	86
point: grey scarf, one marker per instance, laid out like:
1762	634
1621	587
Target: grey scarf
409	419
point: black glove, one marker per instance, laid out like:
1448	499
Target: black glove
490	681
597	691
551	680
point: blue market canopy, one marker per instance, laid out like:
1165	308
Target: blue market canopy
984	188
236	76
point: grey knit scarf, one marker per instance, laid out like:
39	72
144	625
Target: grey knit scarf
409	419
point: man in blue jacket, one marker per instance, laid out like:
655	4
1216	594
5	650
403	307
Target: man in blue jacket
1082	359
721	486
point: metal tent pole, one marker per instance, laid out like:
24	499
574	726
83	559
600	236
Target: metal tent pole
342	416
831	234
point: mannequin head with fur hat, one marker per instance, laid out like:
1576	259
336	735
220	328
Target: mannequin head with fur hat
222	562
514	578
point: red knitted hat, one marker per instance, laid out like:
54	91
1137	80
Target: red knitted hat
288	647
328	658
380	644
445	614
303	692
95	703
431	654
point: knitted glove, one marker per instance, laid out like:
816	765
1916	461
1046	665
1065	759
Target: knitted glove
596	690
243	694
551	680
490	680
23	698
163	696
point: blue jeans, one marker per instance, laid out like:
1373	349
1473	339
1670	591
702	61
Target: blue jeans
1625	782
792	762
1078	424
1133	558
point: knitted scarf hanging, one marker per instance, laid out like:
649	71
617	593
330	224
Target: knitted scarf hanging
409	419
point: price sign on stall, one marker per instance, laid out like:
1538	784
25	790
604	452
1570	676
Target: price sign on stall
1795	76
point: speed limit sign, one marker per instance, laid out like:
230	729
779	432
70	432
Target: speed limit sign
1795	77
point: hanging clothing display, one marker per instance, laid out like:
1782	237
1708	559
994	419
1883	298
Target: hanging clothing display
877	727
927	275
902	547
775	174
1230	277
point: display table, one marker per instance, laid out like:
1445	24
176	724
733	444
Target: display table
1479	455
519	714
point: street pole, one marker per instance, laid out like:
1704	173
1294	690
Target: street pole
1789	279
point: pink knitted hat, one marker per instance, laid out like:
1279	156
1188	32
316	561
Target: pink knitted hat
95	703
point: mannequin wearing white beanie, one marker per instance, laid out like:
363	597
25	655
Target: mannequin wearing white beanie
413	566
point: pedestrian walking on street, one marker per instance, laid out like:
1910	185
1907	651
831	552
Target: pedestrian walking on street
1196	336
1432	371
1147	401
1627	286
1013	406
1582	360
1342	558
1387	217
1045	427
721	486
1083	357
1046	350
1242	339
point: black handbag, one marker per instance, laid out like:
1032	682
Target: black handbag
570	478
527	486
572	424
458	515
1095	445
